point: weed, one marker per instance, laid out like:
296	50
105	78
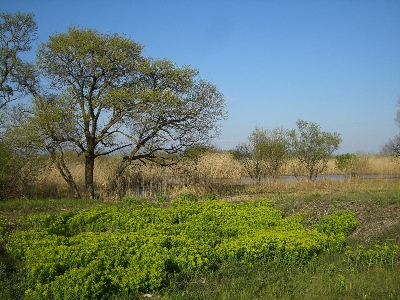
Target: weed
188	197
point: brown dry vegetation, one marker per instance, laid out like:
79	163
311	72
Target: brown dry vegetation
215	172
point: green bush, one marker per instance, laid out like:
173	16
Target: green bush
339	223
53	224
208	197
347	163
161	199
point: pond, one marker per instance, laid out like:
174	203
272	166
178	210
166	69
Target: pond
333	177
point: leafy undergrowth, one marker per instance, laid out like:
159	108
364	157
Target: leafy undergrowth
99	252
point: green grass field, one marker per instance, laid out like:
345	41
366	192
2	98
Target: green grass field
216	249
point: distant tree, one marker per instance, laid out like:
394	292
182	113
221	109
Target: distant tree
275	150
265	153
108	98
313	147
6	169
392	147
17	32
249	155
197	150
347	163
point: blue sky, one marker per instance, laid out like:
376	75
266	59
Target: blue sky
335	63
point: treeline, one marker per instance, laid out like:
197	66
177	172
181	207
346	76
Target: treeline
201	170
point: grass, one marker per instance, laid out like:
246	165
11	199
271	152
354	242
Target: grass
324	278
13	209
329	276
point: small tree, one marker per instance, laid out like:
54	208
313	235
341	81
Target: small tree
265	153
313	147
249	155
347	163
47	124
274	151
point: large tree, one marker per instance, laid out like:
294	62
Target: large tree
312	147
106	98
17	32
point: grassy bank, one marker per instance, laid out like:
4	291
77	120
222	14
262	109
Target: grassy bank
331	276
362	270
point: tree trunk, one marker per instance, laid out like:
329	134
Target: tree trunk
89	174
64	171
115	185
59	161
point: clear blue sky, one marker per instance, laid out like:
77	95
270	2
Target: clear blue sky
335	63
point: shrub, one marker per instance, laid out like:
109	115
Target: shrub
340	222
347	163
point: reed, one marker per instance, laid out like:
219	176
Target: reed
214	172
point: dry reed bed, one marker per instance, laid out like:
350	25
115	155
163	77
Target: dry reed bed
198	176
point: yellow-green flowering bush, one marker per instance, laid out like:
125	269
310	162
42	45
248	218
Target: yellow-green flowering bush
69	269
340	222
288	247
96	252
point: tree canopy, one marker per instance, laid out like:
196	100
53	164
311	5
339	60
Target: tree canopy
265	152
17	32
313	147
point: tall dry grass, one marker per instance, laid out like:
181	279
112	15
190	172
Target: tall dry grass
216	172
370	164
